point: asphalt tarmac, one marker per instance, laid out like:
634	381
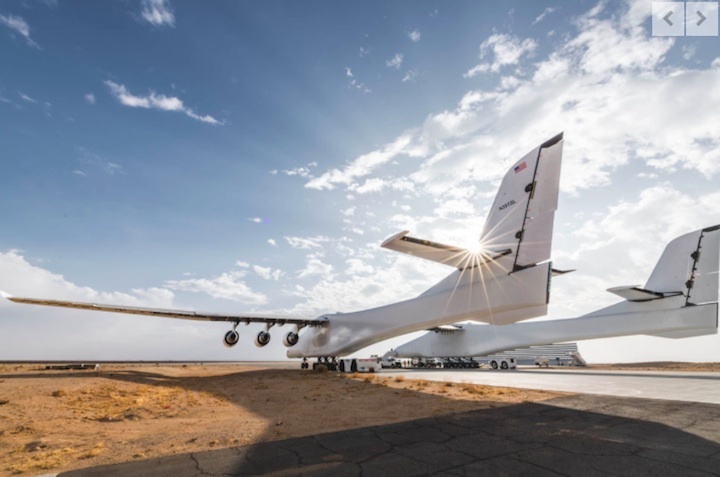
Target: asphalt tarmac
673	385
584	434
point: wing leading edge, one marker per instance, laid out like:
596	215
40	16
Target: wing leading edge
166	313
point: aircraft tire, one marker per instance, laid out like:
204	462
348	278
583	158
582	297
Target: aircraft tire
504	365
494	365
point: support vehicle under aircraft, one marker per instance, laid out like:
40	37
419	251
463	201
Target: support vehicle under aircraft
679	300
507	279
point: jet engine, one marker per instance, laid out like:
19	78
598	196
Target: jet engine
291	339
231	338
262	339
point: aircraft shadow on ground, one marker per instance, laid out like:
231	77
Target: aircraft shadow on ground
523	439
564	435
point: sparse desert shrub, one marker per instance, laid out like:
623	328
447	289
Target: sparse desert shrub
399	379
59	393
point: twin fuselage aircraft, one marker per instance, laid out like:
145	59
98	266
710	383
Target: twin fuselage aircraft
506	280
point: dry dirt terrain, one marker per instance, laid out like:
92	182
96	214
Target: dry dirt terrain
52	421
57	420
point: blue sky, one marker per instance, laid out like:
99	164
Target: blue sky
251	156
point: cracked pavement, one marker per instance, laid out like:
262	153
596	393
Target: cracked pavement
587	435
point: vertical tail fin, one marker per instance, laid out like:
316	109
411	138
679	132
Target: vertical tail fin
521	218
689	264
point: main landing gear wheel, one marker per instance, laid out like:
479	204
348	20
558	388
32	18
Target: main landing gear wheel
504	365
494	365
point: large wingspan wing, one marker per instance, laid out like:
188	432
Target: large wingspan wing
165	313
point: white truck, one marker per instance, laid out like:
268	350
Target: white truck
503	363
541	361
359	365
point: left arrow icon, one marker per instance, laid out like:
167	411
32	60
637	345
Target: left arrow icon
667	18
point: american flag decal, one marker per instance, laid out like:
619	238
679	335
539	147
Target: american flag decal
520	167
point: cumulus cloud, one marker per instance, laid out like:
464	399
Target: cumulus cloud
268	273
90	98
596	86
156	101
20	26
272	242
158	13
414	36
505	49
228	286
315	266
21	278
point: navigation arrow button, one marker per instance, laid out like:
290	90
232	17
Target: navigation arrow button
702	18
667	18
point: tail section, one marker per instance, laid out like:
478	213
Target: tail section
518	231
521	218
689	265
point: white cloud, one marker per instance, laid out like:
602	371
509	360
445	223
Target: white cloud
410	75
360	167
307	243
256	220
688	51
507	50
90	98
595	86
414	36
272	242
268	273
315	266
17	24
716	63
79	173
158	13
156	101
228	286
27	98
354	83
364	52
546	12
20	278
395	61
98	163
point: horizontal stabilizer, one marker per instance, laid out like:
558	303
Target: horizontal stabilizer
636	293
457	257
557	272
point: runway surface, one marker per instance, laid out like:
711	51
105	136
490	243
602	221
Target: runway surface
676	386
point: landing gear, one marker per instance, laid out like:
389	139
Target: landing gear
304	364
494	365
330	362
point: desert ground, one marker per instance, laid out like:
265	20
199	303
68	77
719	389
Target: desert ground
57	420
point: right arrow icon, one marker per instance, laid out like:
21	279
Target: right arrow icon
702	18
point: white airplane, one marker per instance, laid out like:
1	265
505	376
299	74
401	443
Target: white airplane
679	300
507	279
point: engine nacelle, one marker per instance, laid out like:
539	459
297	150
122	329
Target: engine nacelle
262	339
291	339
231	338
